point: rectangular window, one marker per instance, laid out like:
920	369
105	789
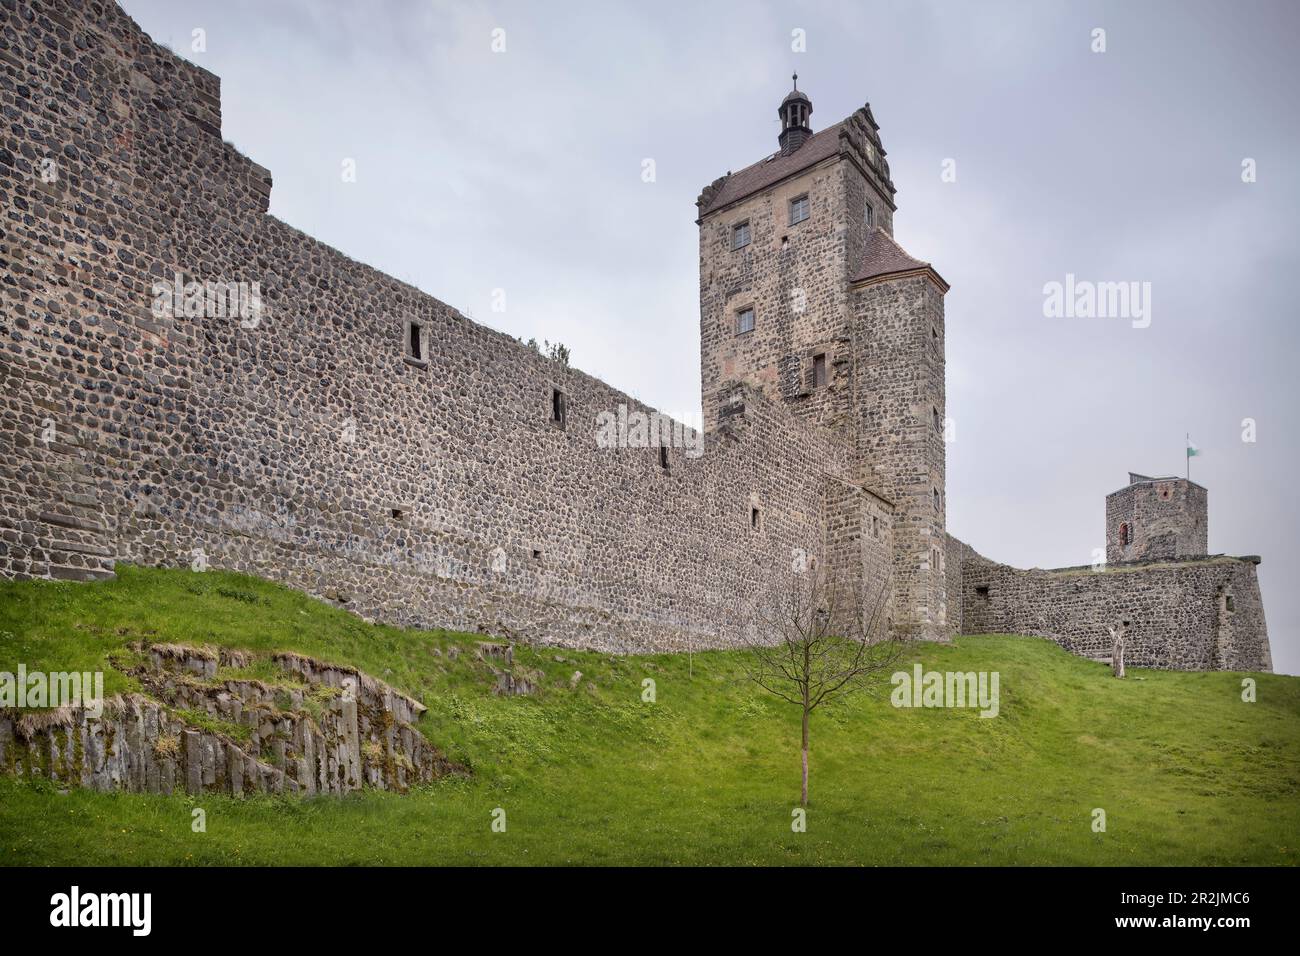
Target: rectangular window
798	209
415	341
744	321
982	591
755	519
870	217
740	235
819	370
663	457
558	409
875	527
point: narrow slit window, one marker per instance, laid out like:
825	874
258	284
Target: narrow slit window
558	407
663	457
936	499
755	519
819	370
870	217
415	341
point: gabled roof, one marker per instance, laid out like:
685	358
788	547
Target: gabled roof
767	172
883	258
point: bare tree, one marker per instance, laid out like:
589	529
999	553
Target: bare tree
813	641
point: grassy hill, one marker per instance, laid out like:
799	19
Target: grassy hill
708	774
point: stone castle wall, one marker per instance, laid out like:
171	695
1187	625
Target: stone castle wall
1156	518
1200	613
307	445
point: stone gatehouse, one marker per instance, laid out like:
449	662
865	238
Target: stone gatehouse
343	432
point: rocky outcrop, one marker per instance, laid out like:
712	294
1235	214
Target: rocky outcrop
324	729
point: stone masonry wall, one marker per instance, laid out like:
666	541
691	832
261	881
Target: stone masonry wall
1188	614
309	447
899	334
1164	518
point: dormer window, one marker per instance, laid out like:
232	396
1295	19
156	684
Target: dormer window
740	235
798	209
744	321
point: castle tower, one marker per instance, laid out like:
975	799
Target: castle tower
805	295
1156	518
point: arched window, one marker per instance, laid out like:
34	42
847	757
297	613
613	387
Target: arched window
1123	535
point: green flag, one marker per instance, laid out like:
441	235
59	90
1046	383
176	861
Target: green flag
1192	450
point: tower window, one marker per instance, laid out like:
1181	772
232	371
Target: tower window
1123	535
870	217
559	407
798	209
819	370
744	321
415	341
938	425
1227	604
740	235
936	499
755	519
982	591
875	526
663	457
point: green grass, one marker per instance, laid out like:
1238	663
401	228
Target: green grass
1186	771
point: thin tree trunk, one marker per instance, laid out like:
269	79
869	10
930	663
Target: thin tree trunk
804	791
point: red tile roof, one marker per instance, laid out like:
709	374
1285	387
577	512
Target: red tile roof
767	172
884	258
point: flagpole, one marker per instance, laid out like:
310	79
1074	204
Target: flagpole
1187	453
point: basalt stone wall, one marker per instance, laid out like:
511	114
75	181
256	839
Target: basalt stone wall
1187	614
793	277
1157	518
307	444
899	329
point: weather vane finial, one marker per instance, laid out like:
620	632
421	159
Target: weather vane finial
796	82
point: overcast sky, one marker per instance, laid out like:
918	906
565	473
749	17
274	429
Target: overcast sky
522	171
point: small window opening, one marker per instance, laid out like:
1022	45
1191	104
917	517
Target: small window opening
1227	604
1123	535
414	341
744	321
754	519
982	591
936	499
537	554
875	526
870	217
398	513
663	457
558	407
819	370
938	425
